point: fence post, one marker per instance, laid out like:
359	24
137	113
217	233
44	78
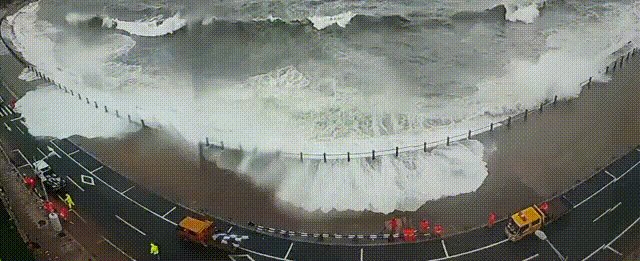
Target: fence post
79	97
87	100
526	112
397	151
614	66
300	156
447	140
621	61
324	156
425	146
509	122
555	99
607	70
65	90
491	127
96	103
72	93
541	104
142	122
222	145
628	56
373	154
590	81
348	156
117	114
129	115
207	141
105	109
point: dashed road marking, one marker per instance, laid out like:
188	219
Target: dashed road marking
117	248
171	210
607	211
75	212
229	230
446	253
288	251
626	172
531	257
243	256
7	126
114	189
74	183
594	194
17	119
18	128
361	254
76	151
132	226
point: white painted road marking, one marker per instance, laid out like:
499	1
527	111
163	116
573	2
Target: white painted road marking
609	173
626	172
472	251
99	168
607	211
122	193
117	248
74	183
614	240
446	253
288	251
614	251
17	119
25	158
594	194
43	155
245	256
132	226
361	254
261	254
5	124
18	128
531	257
73	152
229	230
74	212
87	180
165	214
114	189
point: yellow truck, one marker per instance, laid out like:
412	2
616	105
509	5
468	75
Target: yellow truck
525	222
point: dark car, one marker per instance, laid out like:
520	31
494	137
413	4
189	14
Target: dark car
51	180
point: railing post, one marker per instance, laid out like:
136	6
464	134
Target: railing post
607	70
373	154
207	141
222	145
129	116
301	157
628	54
555	99
65	90
541	104
105	109
79	97
87	100
491	127
397	151
509	122
425	146
469	136
348	156
614	66
588	86
142	122
72	93
96	103
117	114
447	140
324	156
526	112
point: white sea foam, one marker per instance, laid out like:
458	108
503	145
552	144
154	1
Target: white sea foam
152	27
526	14
27	75
76	18
321	22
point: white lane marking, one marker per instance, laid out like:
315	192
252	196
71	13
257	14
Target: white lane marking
531	257
165	214
43	155
593	253
614	251
18	128
132	226
594	194
74	212
261	254
25	158
2	113
472	251
229	230
74	152
638	150
624	231
122	193
25	165
114	189
51	150
17	119
245	256
74	183
607	211
361	254
288	251
609	173
445	248
626	172
7	126
117	248
99	168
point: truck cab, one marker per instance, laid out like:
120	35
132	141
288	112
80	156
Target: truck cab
195	230
525	222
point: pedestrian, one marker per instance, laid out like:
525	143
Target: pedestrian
69	201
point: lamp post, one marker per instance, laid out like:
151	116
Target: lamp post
542	236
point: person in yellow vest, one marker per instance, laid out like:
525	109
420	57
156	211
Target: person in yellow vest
154	249
69	201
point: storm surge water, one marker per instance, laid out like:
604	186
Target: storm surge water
272	79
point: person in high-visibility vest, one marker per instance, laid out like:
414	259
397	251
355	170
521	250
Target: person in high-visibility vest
69	201
154	249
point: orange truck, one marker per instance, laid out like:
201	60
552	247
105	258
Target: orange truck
196	230
528	220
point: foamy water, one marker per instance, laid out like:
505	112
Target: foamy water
354	101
